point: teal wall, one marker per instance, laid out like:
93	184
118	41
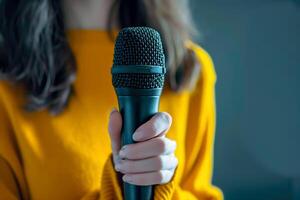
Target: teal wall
256	49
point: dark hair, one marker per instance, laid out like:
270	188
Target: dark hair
34	51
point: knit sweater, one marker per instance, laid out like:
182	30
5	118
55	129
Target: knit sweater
68	157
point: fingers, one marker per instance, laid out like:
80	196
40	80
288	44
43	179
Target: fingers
149	161
163	162
114	129
151	178
150	148
157	125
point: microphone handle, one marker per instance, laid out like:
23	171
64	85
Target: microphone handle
135	111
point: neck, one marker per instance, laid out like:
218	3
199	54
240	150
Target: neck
86	14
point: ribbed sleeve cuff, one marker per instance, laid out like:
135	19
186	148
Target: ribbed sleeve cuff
165	191
110	188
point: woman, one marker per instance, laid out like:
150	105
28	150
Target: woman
56	96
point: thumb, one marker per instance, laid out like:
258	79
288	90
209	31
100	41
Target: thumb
114	129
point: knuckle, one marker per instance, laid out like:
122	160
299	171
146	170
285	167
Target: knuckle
168	176
176	161
160	162
165	145
174	143
162	144
160	176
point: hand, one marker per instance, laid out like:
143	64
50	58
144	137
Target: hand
151	160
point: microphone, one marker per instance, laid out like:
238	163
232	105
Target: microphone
138	74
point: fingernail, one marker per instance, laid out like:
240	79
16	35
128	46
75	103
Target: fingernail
122	152
118	167
113	110
127	178
137	135
118	159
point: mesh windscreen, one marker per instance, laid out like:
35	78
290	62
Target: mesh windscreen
138	46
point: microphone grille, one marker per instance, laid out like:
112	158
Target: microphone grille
139	46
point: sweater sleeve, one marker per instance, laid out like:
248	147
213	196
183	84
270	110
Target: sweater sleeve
196	180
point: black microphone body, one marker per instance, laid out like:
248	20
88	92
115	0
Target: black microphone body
136	110
138	77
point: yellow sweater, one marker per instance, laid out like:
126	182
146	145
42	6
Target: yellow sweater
67	157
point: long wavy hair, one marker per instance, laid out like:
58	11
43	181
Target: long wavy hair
34	51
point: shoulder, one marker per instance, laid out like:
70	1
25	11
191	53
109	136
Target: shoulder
208	73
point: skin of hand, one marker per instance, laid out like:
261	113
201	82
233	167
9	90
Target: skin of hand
149	161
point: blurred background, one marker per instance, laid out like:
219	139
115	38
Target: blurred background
255	46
